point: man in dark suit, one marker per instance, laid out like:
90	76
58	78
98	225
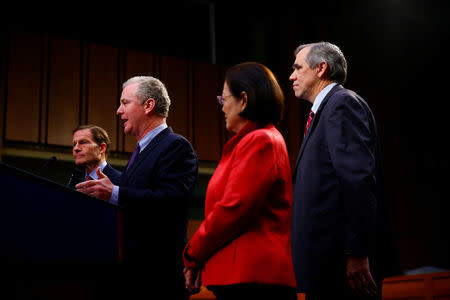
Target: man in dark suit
90	150
154	191
336	182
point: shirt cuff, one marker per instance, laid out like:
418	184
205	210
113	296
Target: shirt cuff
114	199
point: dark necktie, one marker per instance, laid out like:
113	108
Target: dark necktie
133	156
311	116
88	178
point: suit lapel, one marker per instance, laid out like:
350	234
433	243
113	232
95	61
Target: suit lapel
146	152
106	169
314	122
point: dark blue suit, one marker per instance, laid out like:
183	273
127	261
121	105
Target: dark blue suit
335	192
155	195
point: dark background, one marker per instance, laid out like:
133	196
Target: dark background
397	61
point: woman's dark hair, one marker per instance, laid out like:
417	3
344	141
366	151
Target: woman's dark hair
265	99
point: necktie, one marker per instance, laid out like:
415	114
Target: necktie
310	117
133	156
88	178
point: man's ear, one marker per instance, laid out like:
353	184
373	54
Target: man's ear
322	69
149	105
103	148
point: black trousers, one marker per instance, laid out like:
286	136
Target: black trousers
253	291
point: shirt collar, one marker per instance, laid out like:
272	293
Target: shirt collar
149	136
93	174
321	96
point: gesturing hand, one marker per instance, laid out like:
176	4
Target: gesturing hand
100	188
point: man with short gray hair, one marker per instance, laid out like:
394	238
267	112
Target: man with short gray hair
154	191
336	199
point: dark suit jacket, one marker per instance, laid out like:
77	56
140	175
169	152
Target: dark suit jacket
155	195
336	189
113	174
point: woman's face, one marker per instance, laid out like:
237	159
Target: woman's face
231	108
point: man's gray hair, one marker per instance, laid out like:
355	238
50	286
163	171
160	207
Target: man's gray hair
151	87
329	53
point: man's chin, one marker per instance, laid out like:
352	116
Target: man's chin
80	164
127	131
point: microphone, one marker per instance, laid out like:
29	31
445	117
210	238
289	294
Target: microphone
76	177
47	163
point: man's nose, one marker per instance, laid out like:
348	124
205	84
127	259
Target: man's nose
292	77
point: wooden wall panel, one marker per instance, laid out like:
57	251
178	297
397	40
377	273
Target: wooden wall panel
64	87
44	92
54	84
24	88
103	89
207	124
175	74
137	63
4	44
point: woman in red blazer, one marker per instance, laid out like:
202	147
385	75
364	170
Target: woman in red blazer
243	246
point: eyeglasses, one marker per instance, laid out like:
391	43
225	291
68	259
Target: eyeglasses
220	99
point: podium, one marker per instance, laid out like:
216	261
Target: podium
50	233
